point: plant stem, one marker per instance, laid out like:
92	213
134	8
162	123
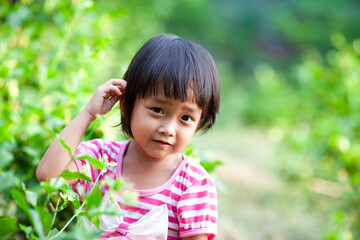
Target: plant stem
57	206
79	210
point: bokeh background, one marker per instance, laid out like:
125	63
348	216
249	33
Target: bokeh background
289	126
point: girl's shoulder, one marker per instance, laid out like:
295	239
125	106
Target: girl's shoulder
193	172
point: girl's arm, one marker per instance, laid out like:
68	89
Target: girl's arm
57	157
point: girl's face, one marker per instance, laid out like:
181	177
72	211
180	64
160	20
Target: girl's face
163	126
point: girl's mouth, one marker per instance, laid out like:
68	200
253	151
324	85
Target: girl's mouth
162	143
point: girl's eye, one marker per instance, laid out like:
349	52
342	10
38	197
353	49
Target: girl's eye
186	118
157	110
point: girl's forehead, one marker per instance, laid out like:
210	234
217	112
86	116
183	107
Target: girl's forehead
159	92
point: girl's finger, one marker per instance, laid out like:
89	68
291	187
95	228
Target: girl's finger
118	82
114	99
113	90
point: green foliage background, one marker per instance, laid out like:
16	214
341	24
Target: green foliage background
289	67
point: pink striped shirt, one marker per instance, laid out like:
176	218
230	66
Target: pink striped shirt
190	193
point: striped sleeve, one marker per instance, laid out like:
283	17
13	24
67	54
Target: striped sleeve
197	209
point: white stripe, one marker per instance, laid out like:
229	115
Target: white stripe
113	170
112	150
195	174
101	143
112	144
173	225
208	225
193	201
189	214
202	188
132	214
112	155
184	181
175	190
173	234
88	147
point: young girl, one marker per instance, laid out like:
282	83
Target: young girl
169	92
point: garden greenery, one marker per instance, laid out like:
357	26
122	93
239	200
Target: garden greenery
52	54
290	67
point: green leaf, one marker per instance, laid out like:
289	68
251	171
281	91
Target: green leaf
94	199
62	142
118	184
36	221
52	233
76	203
94	219
26	229
54	185
94	162
18	196
210	166
58	183
8	225
62	206
7	180
68	175
31	197
45	217
6	156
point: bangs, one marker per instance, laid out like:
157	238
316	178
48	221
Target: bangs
177	67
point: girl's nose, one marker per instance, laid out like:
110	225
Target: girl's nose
168	128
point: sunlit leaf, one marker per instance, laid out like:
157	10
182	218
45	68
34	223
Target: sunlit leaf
62	142
68	175
210	165
94	162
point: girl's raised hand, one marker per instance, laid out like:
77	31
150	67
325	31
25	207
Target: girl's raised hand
105	97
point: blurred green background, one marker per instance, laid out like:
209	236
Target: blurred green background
288	131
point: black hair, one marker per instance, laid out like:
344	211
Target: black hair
175	64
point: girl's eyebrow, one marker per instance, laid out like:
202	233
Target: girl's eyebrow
191	109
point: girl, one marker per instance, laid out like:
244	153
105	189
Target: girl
169	91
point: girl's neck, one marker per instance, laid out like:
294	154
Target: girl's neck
145	172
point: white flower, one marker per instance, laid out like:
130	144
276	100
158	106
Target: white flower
111	164
84	170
